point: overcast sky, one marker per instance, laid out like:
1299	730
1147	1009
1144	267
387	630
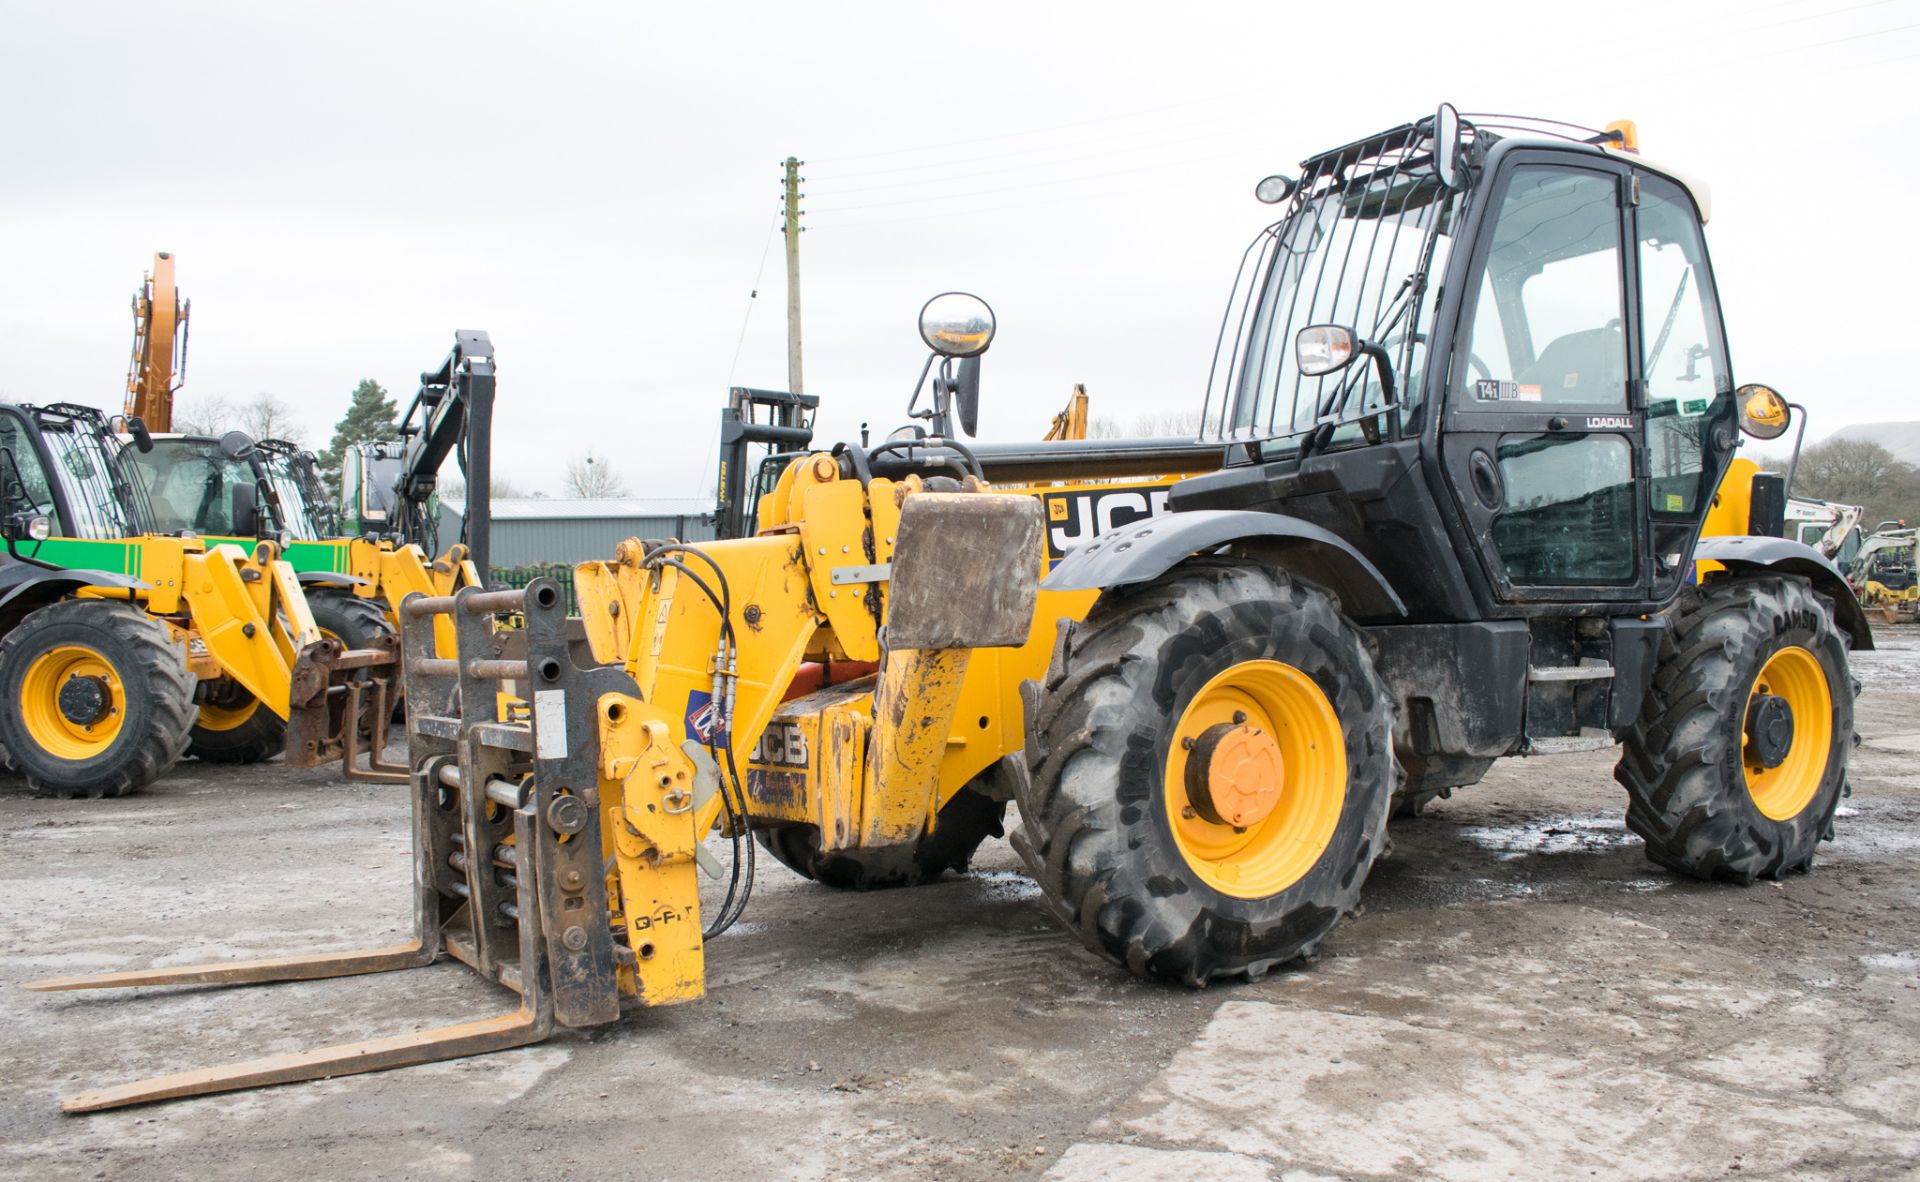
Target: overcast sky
594	185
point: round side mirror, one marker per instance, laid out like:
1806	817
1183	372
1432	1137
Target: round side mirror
236	445
956	324
142	438
1763	412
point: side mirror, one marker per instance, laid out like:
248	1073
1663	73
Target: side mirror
966	395
1325	348
956	324
1446	147
142	438
246	510
1764	414
236	445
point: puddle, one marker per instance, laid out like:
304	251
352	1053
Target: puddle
1004	886
1898	962
1550	835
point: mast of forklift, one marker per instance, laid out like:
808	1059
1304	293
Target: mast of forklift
159	362
451	415
788	428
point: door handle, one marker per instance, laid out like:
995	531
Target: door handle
1486	480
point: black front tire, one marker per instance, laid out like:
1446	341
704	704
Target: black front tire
1681	762
1095	828
156	687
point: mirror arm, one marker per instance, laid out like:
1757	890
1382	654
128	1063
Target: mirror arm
919	386
1793	465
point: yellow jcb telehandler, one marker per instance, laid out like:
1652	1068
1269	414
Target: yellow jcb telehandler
1432	525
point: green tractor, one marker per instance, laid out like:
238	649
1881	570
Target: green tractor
123	645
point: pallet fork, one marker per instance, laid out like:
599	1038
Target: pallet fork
527	913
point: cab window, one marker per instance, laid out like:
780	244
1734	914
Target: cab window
26	487
1545	328
1682	355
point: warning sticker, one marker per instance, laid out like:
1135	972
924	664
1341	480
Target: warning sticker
1486	390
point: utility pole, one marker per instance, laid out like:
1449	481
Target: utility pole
792	219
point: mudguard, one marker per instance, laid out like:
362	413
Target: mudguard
1145	549
1748	554
328	578
35	585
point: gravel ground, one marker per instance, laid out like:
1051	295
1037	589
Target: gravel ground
1523	994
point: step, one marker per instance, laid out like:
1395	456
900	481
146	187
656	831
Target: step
1588	670
1568	744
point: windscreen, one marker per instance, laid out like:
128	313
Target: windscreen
1363	231
87	464
308	513
192	487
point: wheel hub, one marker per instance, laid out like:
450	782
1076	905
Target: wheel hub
1769	730
84	699
1234	774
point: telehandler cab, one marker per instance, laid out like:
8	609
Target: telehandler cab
1470	406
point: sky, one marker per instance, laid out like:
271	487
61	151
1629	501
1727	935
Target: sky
596	185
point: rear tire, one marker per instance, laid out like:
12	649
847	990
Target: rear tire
353	621
965	821
1692	765
125	660
1102	829
234	727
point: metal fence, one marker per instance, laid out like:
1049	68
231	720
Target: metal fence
520	576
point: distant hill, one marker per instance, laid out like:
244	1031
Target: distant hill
1902	439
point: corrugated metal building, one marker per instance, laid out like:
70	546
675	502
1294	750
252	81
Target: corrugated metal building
530	531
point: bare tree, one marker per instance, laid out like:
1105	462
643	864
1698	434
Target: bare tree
203	416
1860	472
264	416
454	488
1105	427
267	416
1169	424
591	478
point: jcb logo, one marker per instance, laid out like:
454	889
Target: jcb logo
1084	514
781	743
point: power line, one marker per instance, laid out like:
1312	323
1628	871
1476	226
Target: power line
1005	135
1236	133
1067	180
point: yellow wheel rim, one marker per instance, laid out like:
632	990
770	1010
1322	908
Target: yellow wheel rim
1287	778
48	725
215	717
1781	792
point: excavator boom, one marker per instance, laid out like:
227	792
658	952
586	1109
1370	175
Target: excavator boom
159	361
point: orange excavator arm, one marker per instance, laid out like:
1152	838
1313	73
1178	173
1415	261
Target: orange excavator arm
159	361
1071	423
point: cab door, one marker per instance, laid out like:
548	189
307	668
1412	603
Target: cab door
1542	439
23	472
